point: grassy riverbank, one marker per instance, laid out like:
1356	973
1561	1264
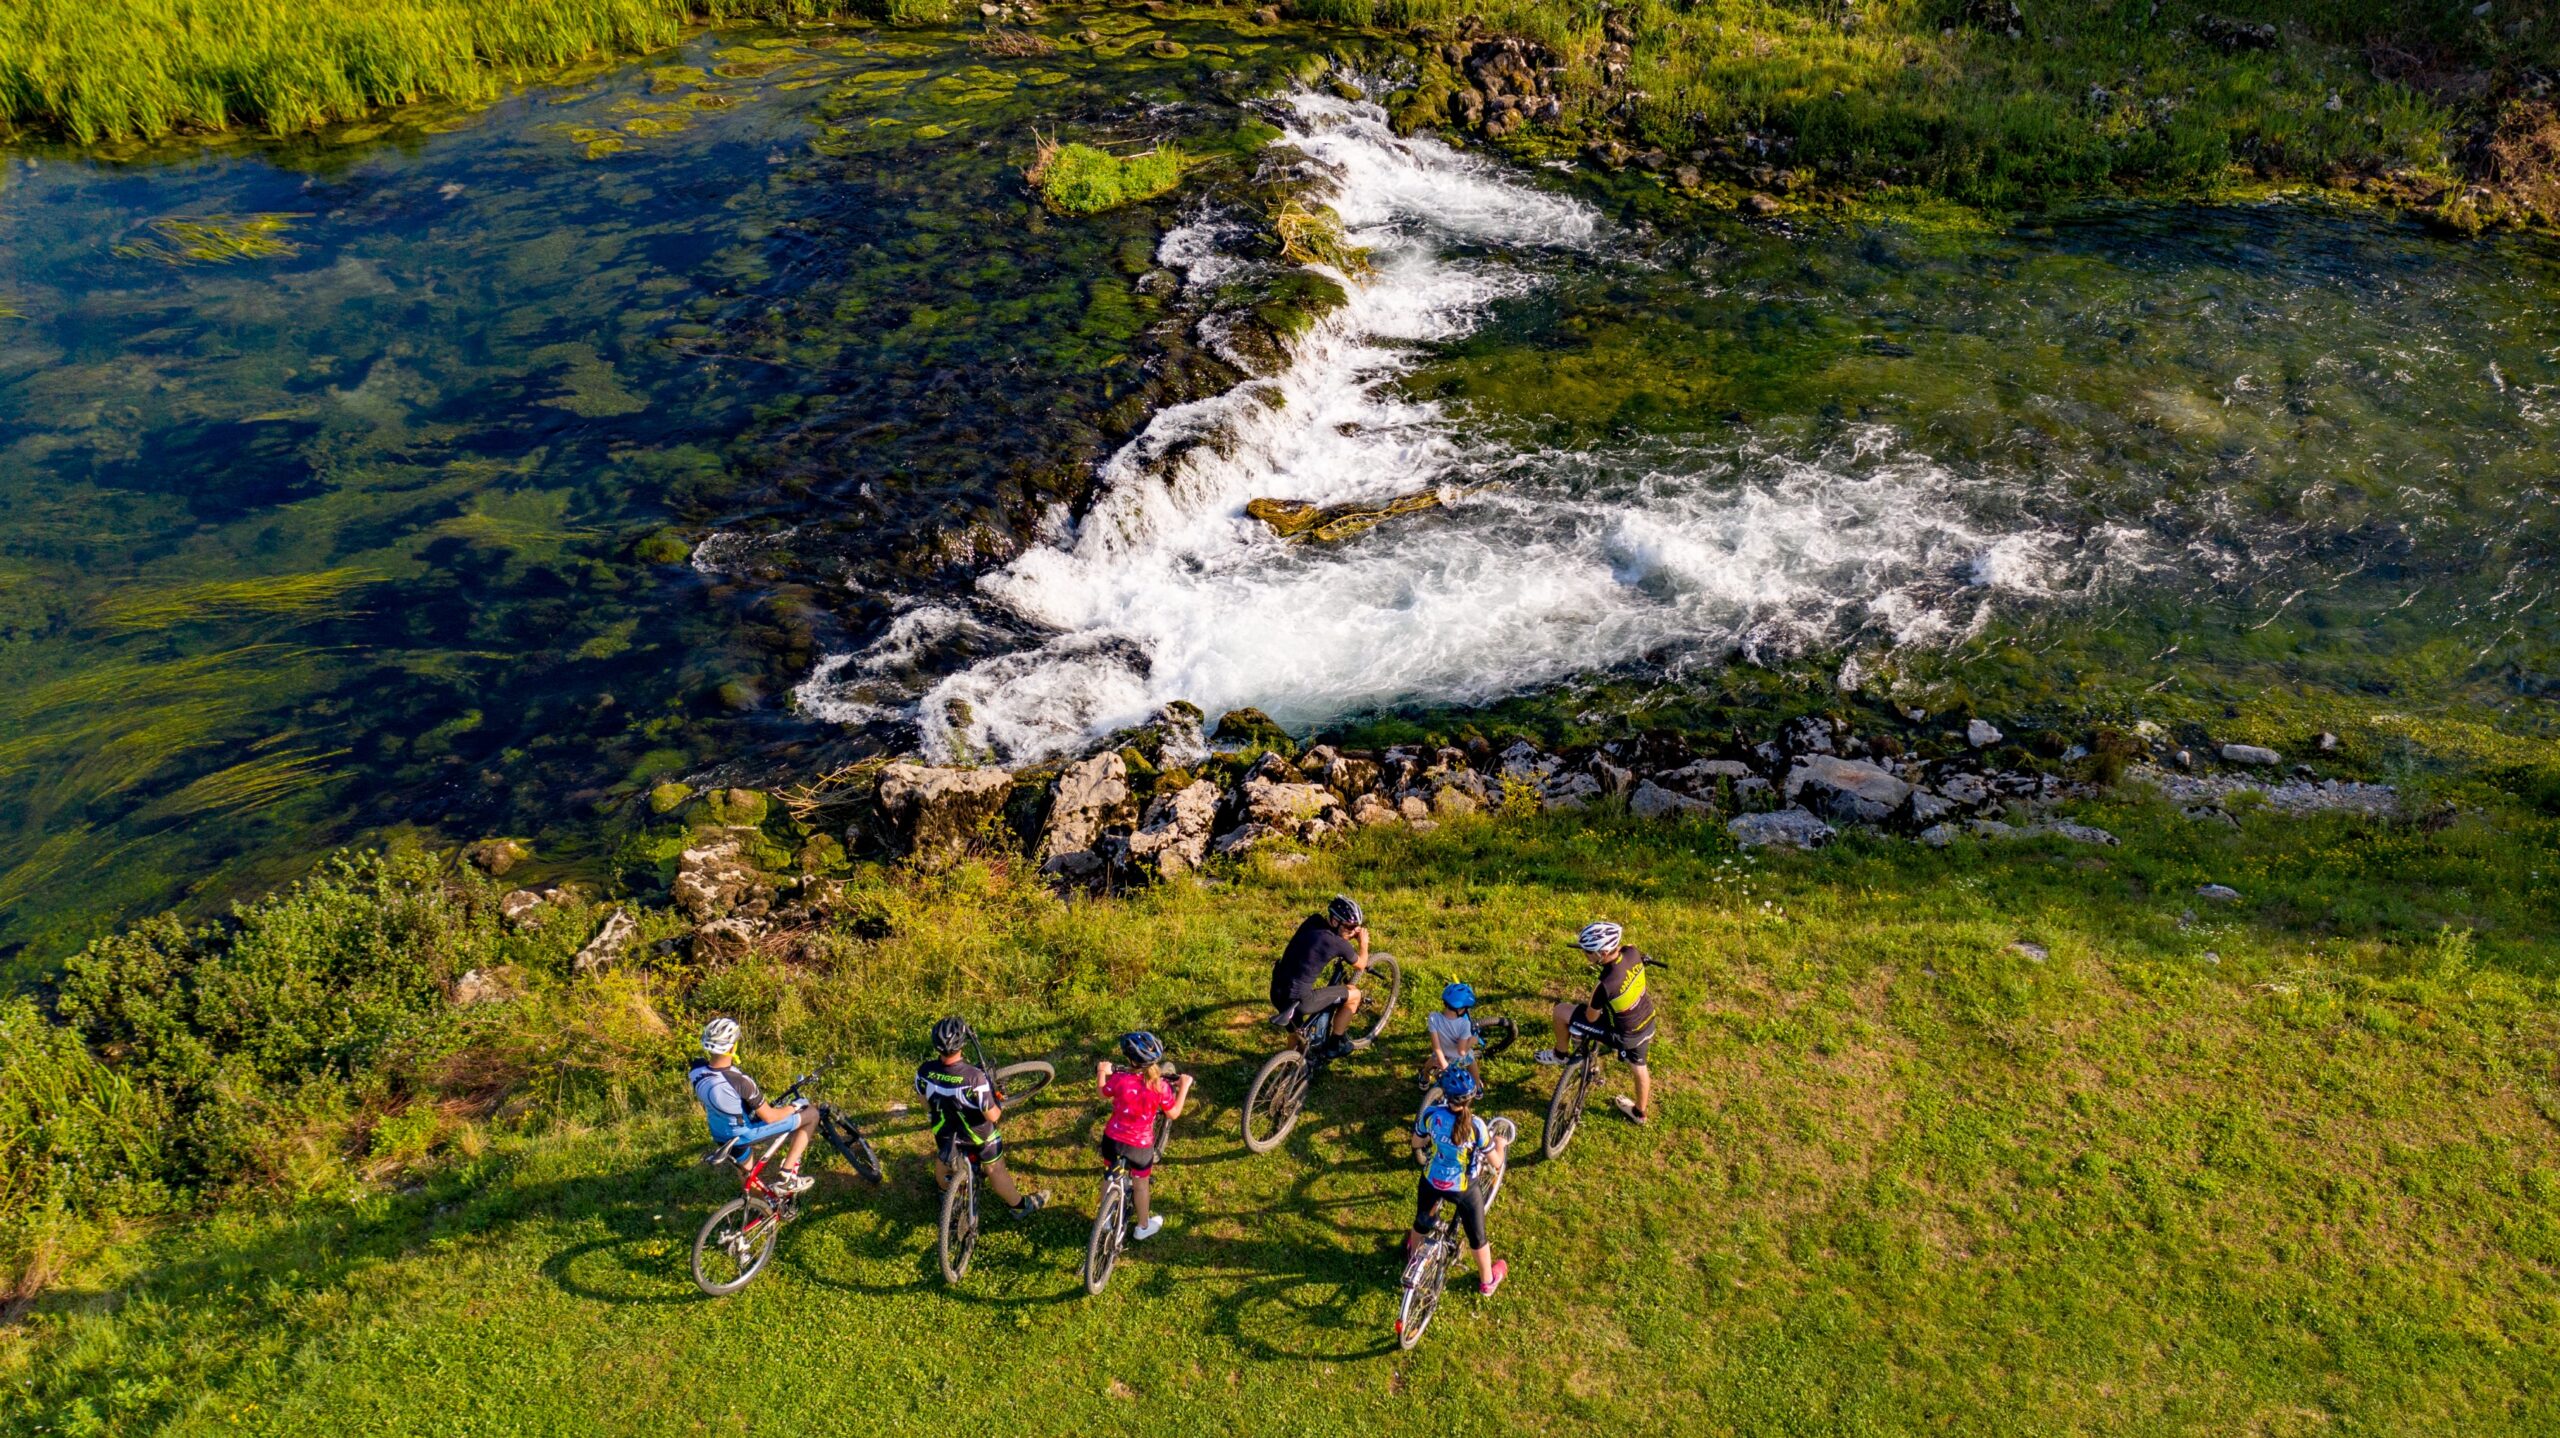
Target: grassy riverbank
137	69
1990	1139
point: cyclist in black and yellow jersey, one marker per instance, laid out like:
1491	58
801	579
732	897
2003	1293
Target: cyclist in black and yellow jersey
1621	1004
960	1102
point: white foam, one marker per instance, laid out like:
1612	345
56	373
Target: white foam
1574	561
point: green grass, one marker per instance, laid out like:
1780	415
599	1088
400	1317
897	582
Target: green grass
1078	179
2278	1167
137	69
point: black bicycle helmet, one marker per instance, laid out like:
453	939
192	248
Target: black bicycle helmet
1344	912
949	1035
1141	1047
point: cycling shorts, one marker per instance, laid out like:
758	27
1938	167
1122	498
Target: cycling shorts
1141	1161
1470	1204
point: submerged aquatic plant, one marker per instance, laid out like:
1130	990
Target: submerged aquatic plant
1079	179
214	239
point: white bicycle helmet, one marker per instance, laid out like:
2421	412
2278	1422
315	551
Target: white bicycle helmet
1601	938
720	1036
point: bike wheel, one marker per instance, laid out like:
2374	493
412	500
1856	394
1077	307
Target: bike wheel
1271	1106
1495	1035
959	1222
1018	1082
1384	984
1564	1111
1430	1096
1109	1232
1509	1133
1422	1293
848	1139
734	1245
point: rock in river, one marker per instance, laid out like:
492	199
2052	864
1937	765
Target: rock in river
938	812
1297	519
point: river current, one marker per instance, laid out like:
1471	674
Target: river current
474	474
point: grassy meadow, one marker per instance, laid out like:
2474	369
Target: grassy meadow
2014	1139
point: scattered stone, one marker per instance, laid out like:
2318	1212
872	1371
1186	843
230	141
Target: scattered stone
1785	828
2233	36
1966	790
1926	809
2202	796
1285	806
711	880
1527	762
1089	798
1652	801
2218	893
1451	800
1982	733
1288	861
939	813
723	941
1567	792
2328	742
495	857
2076	833
1179	742
1614	778
1991	829
1853	791
477	987
605	949
521	908
2251	755
1244	838
1371	810
1174	839
2036	953
1415	808
1939	836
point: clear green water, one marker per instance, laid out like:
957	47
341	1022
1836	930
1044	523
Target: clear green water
337	521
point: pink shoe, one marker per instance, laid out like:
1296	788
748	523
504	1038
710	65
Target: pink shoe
1501	1271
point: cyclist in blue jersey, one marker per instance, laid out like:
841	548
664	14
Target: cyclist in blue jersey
736	1108
1454	1146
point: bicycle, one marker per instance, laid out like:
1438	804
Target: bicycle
1592	1045
1426	1274
1279	1091
959	1234
1111	1215
736	1242
1492	1037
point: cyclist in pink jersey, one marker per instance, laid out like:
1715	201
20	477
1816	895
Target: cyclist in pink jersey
1137	1095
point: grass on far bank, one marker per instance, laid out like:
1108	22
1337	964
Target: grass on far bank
2281	1166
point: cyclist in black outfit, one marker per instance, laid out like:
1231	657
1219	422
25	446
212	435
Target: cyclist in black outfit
960	1103
1621	1003
1340	932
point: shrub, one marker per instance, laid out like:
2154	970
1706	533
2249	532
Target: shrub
1078	179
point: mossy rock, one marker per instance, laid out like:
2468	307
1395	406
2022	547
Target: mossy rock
739	808
1253	729
661	546
823	853
1297	519
669	797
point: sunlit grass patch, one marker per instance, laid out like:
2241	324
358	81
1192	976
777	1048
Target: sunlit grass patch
1081	179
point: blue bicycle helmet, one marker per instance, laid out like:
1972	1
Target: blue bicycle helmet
1458	1085
1141	1047
1460	996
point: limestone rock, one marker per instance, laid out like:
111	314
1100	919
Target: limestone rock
1965	790
1785	828
1652	801
1372	810
2218	893
1849	790
1982	734
1285	806
711	879
477	987
1175	837
1527	763
2076	833
1245	728
1565	792
1939	836
1243	838
495	857
1090	798
521	908
1614	778
1927	810
723	941
606	947
939	813
2250	754
1414	808
1450	800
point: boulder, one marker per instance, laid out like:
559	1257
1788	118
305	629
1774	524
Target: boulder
1414	808
1174	839
1968	791
1371	810
723	941
2251	755
521	909
477	987
1527	763
1808	736
1327	524
1285	806
1614	778
2076	833
1652	801
711	879
1091	797
605	949
2218	893
1926	810
1849	790
495	857
668	797
1243	838
1565	792
1939	836
938	813
1451	800
1785	828
1982	734
1245	728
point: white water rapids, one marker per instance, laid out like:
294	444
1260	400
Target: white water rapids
1546	564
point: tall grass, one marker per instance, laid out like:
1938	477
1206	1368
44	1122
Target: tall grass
136	69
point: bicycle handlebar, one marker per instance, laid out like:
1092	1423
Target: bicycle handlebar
806	1079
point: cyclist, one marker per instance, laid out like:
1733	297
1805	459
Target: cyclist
1453	1029
960	1102
1453	1144
736	1108
1620	1004
1137	1095
1340	932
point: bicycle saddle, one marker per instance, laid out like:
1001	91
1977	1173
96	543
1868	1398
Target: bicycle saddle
722	1154
1284	1018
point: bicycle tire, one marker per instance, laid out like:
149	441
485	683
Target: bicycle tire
1110	1226
1495	1035
1422	1295
849	1141
1431	1094
1493	1189
1018	1083
1564	1111
959	1223
1279	1094
1385	1008
759	1220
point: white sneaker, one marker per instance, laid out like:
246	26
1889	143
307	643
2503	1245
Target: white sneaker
790	1182
1149	1229
1627	1106
1551	1059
